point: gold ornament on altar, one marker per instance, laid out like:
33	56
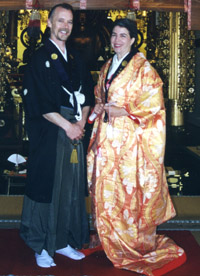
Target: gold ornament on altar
117	14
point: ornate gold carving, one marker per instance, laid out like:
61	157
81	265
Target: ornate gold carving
174	60
3	58
158	46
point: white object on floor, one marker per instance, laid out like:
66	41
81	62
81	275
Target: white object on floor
71	253
44	260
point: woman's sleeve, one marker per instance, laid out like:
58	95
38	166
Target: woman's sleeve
150	96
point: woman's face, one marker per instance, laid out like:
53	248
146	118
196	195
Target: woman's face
121	41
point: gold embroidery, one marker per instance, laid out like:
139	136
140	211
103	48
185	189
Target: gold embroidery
124	63
54	56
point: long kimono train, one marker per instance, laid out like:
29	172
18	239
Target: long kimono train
64	221
126	173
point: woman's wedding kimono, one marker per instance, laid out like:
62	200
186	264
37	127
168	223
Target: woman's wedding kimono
126	172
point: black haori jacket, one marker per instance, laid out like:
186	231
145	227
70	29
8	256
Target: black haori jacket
42	93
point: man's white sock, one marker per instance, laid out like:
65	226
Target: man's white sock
71	253
44	260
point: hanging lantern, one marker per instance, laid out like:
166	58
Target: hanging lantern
33	29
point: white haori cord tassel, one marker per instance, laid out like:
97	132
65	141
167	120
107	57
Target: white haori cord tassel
80	98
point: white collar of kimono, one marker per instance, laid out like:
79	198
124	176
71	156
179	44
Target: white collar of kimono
64	54
115	64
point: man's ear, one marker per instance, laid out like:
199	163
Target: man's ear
49	24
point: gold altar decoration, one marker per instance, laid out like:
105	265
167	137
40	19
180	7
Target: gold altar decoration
166	42
3	59
116	14
170	48
22	24
181	74
8	60
132	14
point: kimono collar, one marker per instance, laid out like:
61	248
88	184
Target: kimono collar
115	64
123	62
63	54
63	69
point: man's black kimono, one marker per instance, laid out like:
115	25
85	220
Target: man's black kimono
51	179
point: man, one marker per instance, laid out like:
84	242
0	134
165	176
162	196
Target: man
56	94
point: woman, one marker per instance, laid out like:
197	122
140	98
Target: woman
125	161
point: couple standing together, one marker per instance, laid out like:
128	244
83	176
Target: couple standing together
125	156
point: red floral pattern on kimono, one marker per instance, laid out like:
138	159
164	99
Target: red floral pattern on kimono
126	173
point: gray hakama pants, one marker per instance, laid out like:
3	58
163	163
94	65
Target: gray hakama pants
64	221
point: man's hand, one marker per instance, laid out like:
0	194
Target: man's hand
74	131
82	122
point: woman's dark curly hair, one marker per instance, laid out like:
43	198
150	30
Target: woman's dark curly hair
129	24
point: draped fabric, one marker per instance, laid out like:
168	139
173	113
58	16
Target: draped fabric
126	173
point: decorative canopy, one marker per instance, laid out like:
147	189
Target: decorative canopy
159	5
155	5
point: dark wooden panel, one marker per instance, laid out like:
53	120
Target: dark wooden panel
155	5
195	15
46	4
160	5
12	5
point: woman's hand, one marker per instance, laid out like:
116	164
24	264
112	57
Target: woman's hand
99	108
115	111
